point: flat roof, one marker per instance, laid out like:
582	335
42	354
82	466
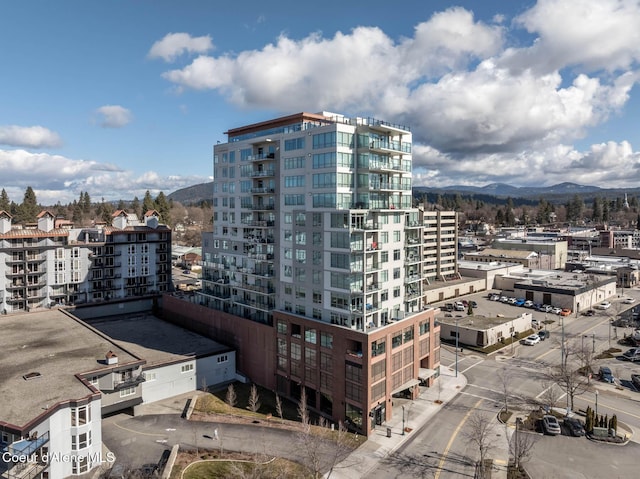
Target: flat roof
476	321
486	266
157	341
56	345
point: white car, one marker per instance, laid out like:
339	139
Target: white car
604	305
556	310
528	304
628	300
531	340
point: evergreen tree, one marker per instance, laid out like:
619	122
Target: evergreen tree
85	203
135	206
147	203
605	211
163	208
500	217
121	205
5	204
596	216
106	210
28	209
77	216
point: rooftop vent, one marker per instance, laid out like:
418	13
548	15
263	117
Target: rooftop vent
111	358
32	375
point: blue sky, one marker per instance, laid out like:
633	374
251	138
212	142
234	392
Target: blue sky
116	98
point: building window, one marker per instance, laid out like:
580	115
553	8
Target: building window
222	358
80	441
185	368
80	415
149	376
310	336
127	392
326	340
282	327
80	465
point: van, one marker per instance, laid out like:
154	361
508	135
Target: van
458	306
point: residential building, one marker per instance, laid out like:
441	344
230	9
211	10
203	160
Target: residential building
316	237
52	263
61	375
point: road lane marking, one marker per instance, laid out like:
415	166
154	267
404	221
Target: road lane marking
137	432
472	366
601	404
453	438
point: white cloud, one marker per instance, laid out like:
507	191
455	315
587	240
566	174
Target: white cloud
113	116
596	34
29	136
175	44
57	178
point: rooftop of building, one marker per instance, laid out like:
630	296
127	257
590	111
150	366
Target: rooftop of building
534	241
57	346
504	253
556	279
486	266
475	321
157	341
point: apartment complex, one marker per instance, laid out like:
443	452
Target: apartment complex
53	263
315	235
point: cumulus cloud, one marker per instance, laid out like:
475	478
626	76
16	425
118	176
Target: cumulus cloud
58	178
594	34
113	116
29	137
175	44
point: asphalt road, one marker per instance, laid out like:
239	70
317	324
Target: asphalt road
442	449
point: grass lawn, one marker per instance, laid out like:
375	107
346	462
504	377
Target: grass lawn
235	465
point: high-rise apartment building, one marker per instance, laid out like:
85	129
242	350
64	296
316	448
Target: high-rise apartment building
52	263
315	234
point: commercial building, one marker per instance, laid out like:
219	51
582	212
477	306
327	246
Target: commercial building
483	331
552	253
52	263
316	237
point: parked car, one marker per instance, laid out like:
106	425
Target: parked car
494	297
635	379
605	374
550	425
604	305
520	302
543	335
186	271
628	300
546	308
504	299
448	307
531	340
632	354
458	306
565	312
473	304
556	310
574	426
528	304
589	312
512	300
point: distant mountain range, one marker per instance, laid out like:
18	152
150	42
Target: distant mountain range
193	195
559	193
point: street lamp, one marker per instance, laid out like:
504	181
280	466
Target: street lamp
594	343
403	417
597	392
456	357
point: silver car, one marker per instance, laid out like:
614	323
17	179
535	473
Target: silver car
550	425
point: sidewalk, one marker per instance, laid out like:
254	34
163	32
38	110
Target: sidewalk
420	411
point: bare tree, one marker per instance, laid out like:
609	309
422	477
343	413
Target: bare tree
550	394
254	399
569	379
303	410
521	446
231	398
480	435
279	406
504	378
